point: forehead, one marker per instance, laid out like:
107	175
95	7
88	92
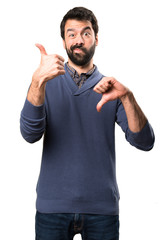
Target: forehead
77	24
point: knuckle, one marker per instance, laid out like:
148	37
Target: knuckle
55	55
101	85
56	65
56	61
112	78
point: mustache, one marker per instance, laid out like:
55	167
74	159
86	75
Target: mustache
78	46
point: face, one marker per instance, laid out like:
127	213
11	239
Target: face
80	41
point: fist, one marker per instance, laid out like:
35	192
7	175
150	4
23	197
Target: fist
110	89
50	67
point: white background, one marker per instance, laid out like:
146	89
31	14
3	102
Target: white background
129	50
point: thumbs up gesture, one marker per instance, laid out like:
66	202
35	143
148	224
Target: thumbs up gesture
50	67
110	89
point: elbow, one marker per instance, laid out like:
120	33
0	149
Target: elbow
150	146
147	148
29	140
32	131
143	140
150	141
30	137
146	145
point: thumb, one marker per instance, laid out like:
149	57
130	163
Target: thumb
41	48
101	103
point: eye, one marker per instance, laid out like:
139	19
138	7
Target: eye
71	35
86	34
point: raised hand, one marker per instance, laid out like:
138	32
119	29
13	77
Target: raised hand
110	89
50	67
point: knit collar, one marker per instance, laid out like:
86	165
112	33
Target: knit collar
72	86
74	73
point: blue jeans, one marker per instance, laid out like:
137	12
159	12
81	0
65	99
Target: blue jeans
64	226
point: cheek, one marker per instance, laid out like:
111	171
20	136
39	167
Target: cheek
89	42
68	44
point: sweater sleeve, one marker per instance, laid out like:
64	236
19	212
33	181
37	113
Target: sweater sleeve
32	122
143	140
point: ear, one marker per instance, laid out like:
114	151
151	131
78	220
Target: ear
97	40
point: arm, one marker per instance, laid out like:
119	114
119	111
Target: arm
129	115
135	116
111	89
32	122
33	118
50	67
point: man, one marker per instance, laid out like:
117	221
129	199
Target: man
77	190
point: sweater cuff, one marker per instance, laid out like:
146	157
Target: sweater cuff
33	112
144	137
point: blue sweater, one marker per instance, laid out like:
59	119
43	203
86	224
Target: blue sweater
78	172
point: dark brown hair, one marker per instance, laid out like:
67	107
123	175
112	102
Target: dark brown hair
79	13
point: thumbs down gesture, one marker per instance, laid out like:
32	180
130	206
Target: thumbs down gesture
110	89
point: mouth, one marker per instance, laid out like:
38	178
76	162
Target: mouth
78	50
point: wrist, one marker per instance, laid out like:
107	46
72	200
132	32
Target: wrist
37	84
128	96
36	93
37	80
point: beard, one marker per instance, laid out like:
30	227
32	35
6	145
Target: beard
81	59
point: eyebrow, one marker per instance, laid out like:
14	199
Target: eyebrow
74	29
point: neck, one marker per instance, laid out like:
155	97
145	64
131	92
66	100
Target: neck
81	69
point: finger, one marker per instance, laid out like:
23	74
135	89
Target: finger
61	63
61	58
62	72
96	89
101	103
41	48
108	84
60	67
101	88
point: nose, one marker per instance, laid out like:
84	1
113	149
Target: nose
79	40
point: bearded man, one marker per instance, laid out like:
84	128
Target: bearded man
77	190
